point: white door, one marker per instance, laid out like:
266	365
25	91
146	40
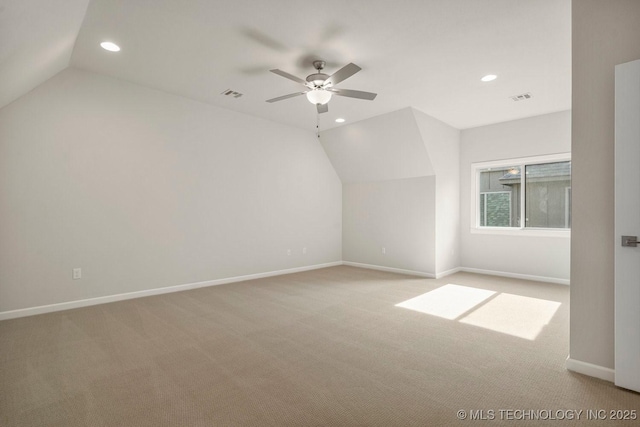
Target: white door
627	223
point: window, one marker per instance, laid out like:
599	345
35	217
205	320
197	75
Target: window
538	186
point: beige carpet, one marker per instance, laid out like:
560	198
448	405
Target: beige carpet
325	347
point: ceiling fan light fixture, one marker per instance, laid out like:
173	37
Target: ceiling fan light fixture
318	96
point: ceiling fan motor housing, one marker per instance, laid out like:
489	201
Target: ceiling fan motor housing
317	79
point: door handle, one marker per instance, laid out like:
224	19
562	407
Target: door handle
630	241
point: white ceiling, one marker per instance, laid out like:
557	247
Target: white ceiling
428	54
36	41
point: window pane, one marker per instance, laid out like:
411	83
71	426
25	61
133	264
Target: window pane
497	209
548	195
499	197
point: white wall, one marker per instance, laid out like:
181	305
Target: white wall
388	193
400	174
542	257
142	189
398	215
604	34
443	147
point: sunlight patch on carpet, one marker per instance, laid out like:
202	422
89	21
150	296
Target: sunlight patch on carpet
515	315
449	301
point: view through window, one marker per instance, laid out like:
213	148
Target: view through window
542	190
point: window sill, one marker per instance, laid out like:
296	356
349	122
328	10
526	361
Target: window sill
529	232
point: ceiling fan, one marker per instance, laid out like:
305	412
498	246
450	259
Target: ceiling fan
320	86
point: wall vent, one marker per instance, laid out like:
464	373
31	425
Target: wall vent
521	97
230	92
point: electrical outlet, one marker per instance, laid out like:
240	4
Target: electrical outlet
77	273
304	251
288	251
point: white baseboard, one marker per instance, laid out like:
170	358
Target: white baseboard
448	272
457	269
516	275
591	370
389	269
5	315
157	291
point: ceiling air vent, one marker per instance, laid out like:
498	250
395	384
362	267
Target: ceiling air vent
521	97
233	93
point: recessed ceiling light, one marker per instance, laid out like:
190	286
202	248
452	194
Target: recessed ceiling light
111	47
340	120
489	77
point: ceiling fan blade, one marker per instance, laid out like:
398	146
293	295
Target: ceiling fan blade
291	95
264	39
370	96
289	76
343	74
322	108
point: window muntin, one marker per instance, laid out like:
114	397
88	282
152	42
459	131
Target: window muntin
543	193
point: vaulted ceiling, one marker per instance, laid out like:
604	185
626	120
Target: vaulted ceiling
427	54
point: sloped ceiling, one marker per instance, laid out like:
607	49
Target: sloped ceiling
382	148
428	54
36	42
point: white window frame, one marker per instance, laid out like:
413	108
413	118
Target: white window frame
521	230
